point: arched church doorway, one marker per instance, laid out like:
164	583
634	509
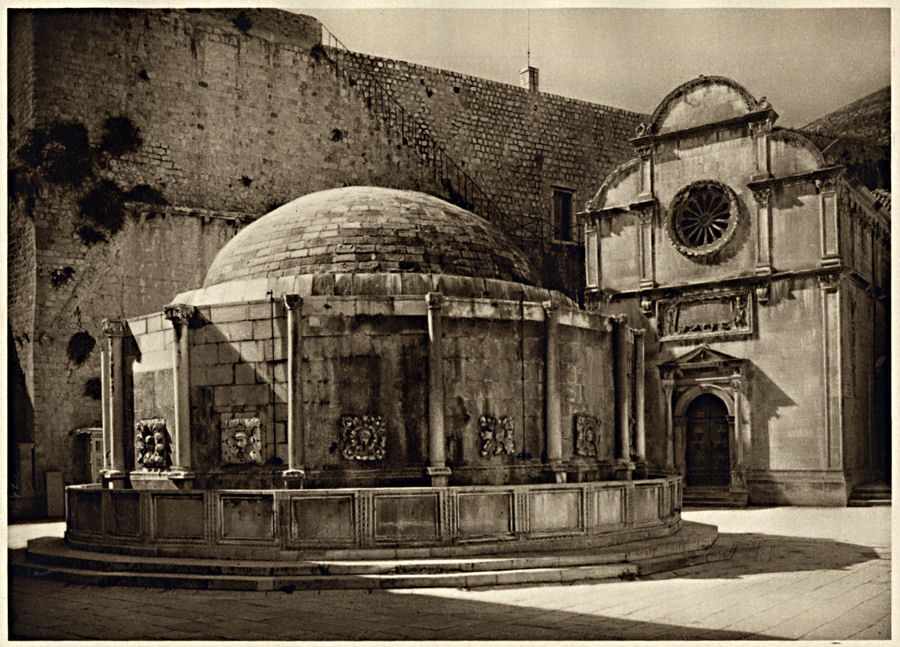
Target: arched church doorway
707	459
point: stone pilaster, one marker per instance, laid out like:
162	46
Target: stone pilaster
647	259
831	370
181	317
114	433
741	435
437	468
623	391
295	475
763	199
552	415
828	221
640	437
668	390
759	131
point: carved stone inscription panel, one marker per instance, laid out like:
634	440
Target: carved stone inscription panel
706	315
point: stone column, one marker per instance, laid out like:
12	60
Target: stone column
640	438
668	388
181	316
552	415
295	475
437	468
114	432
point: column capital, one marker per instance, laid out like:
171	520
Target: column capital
180	314
434	300
829	282
637	332
618	320
762	195
114	327
292	301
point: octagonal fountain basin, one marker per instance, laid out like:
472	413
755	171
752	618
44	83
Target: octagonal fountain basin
373	523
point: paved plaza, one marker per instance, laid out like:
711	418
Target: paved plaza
797	573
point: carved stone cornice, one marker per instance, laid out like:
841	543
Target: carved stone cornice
180	314
114	327
825	183
805	176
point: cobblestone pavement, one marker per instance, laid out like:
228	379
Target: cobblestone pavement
800	573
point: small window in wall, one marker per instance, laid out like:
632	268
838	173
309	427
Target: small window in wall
562	214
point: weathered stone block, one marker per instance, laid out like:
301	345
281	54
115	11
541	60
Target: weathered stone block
247	517
323	518
485	515
406	517
179	517
554	511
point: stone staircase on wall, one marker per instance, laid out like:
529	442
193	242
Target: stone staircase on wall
870	494
410	131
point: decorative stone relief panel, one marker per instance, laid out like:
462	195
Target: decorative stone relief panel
241	441
707	315
496	435
587	429
363	438
152	445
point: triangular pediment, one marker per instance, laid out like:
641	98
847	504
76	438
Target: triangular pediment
703	355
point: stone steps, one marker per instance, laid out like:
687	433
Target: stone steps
870	494
52	559
712	497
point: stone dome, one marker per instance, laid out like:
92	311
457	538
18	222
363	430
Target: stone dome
369	230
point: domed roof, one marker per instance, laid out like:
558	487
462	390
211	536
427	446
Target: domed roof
372	230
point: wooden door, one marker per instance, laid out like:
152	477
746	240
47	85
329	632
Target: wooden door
707	456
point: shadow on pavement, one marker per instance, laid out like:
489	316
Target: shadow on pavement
756	553
110	614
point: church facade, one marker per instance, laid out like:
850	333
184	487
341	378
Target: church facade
759	275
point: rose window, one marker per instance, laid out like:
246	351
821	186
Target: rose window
703	218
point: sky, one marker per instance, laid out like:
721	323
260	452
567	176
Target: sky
806	62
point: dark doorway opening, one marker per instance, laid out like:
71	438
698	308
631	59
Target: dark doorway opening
707	452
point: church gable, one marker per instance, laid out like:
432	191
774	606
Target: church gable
704	100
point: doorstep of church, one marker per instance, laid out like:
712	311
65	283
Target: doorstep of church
713	496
